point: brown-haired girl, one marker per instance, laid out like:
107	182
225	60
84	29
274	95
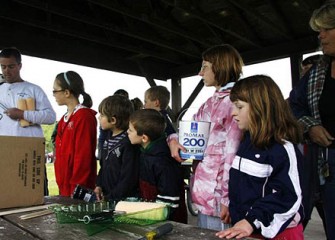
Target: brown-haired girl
221	68
76	135
264	187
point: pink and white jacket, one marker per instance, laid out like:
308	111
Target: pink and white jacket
210	187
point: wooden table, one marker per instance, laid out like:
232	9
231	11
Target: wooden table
46	227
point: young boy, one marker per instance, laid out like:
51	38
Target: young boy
161	176
118	175
158	98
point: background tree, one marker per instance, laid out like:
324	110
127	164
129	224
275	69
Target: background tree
48	130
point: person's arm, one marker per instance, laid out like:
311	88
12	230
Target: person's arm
232	139
175	147
98	186
313	128
14	113
319	135
172	138
43	113
240	230
169	182
299	104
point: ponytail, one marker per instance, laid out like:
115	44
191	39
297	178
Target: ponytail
87	102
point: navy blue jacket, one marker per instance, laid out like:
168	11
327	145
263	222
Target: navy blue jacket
161	179
264	186
119	172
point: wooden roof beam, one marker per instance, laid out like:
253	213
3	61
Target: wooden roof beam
120	10
203	19
262	19
75	34
83	19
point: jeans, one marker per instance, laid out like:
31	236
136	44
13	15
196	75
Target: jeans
328	195
210	222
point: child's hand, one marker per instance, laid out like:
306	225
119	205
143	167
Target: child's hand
240	230
225	216
175	146
98	193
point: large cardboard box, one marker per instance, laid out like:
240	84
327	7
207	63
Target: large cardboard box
22	171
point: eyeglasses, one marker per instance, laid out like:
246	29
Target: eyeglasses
56	91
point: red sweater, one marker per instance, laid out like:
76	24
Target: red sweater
75	151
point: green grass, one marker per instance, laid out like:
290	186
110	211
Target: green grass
52	185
